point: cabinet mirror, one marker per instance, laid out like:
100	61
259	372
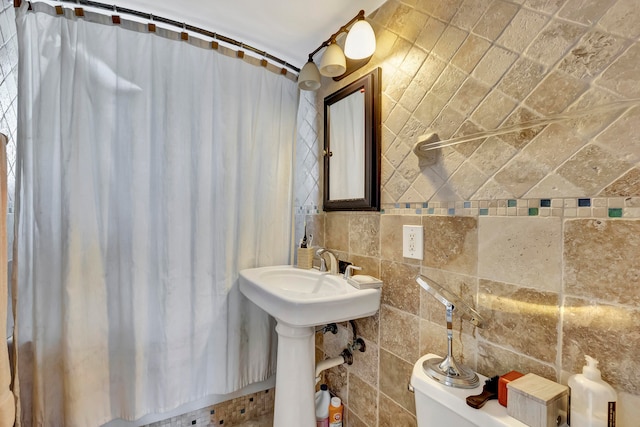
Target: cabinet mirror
352	146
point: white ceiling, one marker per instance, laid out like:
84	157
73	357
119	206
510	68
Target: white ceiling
288	29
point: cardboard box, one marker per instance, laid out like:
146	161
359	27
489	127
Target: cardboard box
537	401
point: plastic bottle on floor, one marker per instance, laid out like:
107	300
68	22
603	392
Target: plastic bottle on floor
335	412
322	406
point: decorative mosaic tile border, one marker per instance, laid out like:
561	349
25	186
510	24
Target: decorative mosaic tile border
229	413
597	207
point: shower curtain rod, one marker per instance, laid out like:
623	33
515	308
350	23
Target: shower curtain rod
184	26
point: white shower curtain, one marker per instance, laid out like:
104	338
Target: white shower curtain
150	172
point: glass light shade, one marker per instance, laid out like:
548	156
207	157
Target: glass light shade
361	41
333	62
309	77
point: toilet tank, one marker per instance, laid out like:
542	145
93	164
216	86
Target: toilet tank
439	405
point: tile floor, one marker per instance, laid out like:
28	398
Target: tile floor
264	421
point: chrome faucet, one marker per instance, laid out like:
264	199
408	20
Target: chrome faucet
348	272
333	261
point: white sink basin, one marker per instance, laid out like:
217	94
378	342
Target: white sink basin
306	297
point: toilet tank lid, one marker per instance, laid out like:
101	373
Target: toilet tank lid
492	414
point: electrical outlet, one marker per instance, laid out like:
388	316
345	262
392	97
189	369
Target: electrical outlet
412	246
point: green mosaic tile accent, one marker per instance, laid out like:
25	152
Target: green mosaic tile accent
484	211
533	211
512	203
615	212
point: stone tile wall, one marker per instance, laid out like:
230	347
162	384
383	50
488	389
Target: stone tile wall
537	229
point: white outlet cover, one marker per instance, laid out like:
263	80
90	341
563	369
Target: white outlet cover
412	241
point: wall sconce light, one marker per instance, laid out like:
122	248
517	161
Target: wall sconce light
359	47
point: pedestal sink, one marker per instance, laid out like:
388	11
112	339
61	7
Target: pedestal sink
300	300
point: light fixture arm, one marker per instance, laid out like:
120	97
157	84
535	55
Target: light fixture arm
343	29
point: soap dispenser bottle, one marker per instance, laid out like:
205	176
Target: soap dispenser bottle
593	401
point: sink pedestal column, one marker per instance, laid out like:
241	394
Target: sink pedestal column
295	382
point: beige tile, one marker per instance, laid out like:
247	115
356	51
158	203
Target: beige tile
492	155
365	364
521	174
412	96
546	148
493	110
470	53
368	327
468	14
495	19
592	169
467	179
621	138
524	251
625	186
399	289
555	93
397	85
391	235
447	122
523	137
395	375
554	41
585	11
622	75
364	234
451	243
445	9
398	52
398	332
449	43
592	55
522	319
394	415
429	108
546	6
352	420
522	30
520	80
413	61
554	186
468	148
336	379
430	34
495	360
622	18
430	71
448	83
427	183
396	187
601	259
471	93
606	333
407	22
397	118
363	400
337	231
493	65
